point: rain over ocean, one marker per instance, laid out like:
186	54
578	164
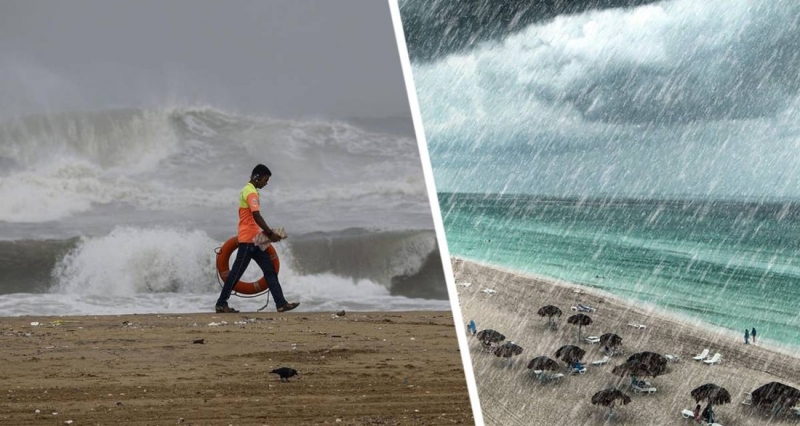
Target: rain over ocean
648	151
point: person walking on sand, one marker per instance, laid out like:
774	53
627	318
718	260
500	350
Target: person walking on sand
746	336
753	335
251	224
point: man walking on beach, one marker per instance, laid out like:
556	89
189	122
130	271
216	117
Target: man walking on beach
250	225
746	336
753	335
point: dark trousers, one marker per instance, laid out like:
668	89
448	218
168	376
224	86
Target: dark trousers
244	254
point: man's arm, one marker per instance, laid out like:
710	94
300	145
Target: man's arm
261	223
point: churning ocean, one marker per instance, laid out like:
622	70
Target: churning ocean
120	211
648	151
732	264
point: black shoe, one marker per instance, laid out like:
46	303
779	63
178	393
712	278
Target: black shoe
288	307
225	309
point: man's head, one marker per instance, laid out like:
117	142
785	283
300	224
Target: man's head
260	176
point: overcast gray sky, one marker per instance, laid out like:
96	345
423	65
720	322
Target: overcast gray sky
306	58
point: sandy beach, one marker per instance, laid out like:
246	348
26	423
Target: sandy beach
510	395
376	368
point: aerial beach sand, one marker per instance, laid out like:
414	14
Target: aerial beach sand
511	396
387	368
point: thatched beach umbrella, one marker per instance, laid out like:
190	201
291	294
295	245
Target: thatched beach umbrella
549	311
609	398
654	362
712	393
637	368
507	350
570	354
580	320
543	363
489	336
775	394
610	340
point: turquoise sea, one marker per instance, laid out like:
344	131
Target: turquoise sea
734	264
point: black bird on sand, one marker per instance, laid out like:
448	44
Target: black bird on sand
285	373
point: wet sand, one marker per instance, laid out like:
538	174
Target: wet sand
382	368
509	395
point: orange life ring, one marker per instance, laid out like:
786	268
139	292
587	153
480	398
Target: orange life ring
243	287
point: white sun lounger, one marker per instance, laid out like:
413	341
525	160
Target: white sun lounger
672	358
638	389
748	399
687	414
489	291
601	361
582	308
592	339
551	377
714	360
637	326
703	355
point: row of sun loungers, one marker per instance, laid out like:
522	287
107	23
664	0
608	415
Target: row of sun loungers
703	356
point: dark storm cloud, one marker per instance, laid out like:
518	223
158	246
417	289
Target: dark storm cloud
753	76
288	58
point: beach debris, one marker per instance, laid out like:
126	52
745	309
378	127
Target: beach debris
341	313
35	324
637	326
67	422
38	411
570	354
464	284
672	358
578	291
199	341
216	324
609	398
489	291
549	311
284	373
581	320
